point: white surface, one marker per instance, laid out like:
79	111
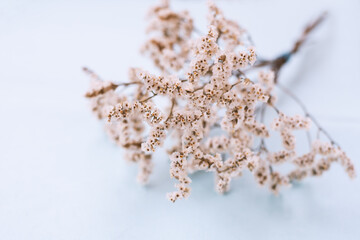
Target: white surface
61	178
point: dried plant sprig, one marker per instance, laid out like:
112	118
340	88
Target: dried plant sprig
216	114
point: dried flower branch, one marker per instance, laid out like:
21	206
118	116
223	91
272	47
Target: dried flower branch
216	113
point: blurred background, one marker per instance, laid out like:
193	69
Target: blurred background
62	178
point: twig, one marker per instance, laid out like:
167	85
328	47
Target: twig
307	114
307	31
173	102
278	62
91	73
146	99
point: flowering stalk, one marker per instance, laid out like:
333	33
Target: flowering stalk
216	113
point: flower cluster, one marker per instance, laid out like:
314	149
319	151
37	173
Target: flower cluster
213	112
169	45
178	171
285	124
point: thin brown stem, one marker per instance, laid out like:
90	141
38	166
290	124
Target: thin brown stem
262	146
309	28
106	87
307	114
101	91
148	98
128	84
275	108
91	73
173	102
277	63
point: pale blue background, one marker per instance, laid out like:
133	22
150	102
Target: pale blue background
61	178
